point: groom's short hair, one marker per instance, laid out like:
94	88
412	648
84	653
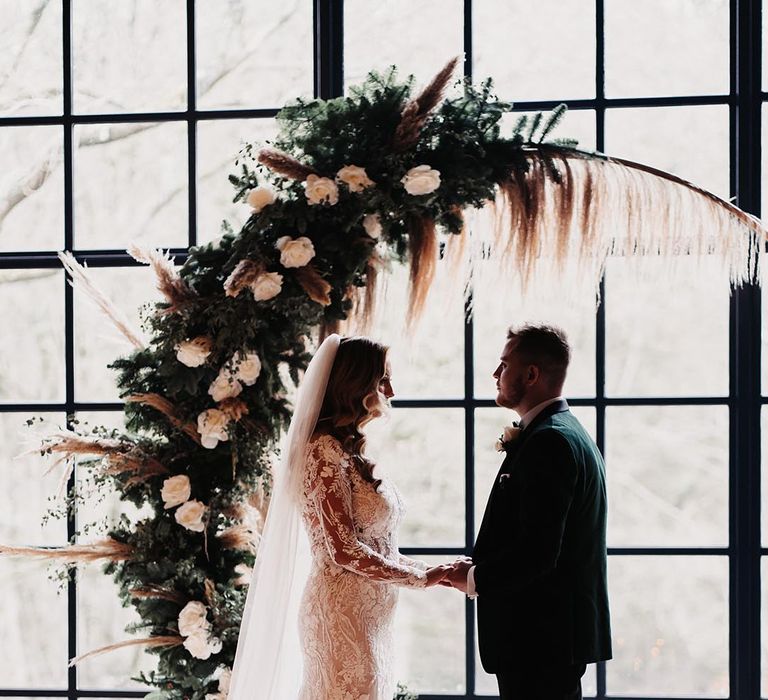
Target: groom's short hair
544	346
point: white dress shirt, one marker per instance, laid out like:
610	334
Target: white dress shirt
524	421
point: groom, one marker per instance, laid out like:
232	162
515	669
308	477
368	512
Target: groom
538	568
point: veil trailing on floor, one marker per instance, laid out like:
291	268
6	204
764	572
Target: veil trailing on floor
268	659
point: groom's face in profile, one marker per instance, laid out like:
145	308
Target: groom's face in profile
510	376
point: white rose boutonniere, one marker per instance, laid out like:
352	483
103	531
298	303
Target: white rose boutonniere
259	198
354	177
267	286
319	190
194	353
191	515
176	490
510	434
421	180
212	426
295	252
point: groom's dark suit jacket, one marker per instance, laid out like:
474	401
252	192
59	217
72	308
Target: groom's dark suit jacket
540	555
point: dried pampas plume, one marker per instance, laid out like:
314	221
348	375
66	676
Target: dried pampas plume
81	281
245	273
317	289
417	110
168	641
285	165
108	548
423	249
167	408
176	291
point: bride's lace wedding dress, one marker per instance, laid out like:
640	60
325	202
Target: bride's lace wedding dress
349	599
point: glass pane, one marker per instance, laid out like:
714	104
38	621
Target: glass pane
675	348
667	470
417	37
129	56
33	618
30	63
32	341
550	299
101	620
535	51
691	142
218	144
26	492
422	451
430	638
429	361
669	617
264	46
659	47
31	189
97	340
124	192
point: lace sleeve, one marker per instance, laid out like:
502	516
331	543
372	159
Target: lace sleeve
413	563
330	494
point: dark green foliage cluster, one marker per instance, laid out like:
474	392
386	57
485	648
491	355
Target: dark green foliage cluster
462	140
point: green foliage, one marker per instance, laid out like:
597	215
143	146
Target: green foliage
462	139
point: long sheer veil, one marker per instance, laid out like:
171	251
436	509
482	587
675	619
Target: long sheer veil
268	659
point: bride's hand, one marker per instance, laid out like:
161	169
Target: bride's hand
437	573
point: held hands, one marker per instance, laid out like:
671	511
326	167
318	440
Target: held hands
453	575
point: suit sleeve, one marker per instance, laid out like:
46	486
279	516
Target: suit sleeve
548	472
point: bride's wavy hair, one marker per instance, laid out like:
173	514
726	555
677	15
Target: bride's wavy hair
352	397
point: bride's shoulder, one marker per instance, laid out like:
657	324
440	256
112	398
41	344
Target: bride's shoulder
322	441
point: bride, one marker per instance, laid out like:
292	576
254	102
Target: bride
318	617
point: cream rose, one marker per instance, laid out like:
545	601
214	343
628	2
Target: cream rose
511	432
225	678
295	252
267	285
225	386
176	490
190	515
199	645
212	426
320	189
193	618
194	353
247	367
354	177
244	574
260	197
421	180
372	225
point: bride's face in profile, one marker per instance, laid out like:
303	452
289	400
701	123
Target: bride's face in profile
385	384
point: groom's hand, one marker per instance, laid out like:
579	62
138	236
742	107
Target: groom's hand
457	576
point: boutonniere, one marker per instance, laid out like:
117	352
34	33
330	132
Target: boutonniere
510	434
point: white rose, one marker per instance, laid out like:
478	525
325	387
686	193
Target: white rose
421	180
247	367
511	432
267	285
354	177
320	189
295	252
190	515
244	574
225	386
224	680
193	353
176	490
372	225
260	197
193	618
197	645
214	644
212	426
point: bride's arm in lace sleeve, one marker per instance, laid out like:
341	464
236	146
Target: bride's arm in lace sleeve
413	563
331	496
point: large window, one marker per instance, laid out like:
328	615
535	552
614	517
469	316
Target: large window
119	122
